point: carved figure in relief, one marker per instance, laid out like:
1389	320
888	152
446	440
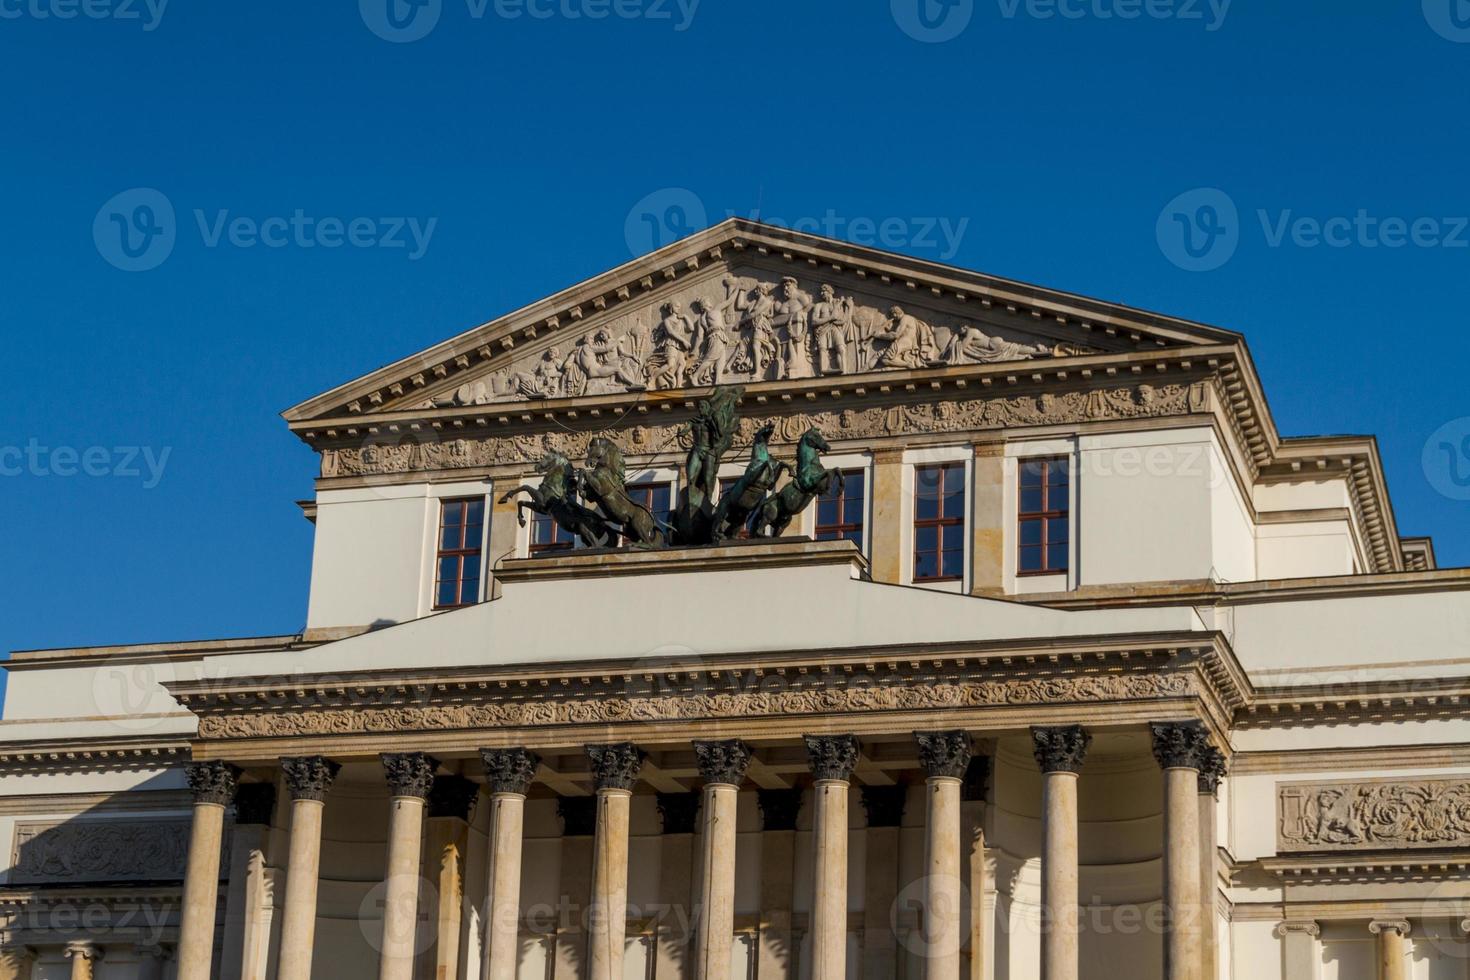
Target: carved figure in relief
831	320
599	357
971	345
606	485
556	497
712	339
673	340
745	497
809	480
792	312
910	342
759	309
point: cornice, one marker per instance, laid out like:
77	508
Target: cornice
92	755
1376	867
1391	700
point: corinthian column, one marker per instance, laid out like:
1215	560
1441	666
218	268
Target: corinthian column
945	757
1059	752
614	771
1392	954
722	765
308	779
213	787
410	778
1180	749
833	758
1212	770
508	774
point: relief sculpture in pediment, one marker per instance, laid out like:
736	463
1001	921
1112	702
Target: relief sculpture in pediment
758	330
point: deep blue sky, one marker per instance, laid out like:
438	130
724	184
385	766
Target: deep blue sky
1059	141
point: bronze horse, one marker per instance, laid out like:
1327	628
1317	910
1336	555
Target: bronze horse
809	480
556	498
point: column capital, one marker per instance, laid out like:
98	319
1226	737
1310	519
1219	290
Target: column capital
678	812
157	951
409	773
310	777
1179	745
255	803
578	815
1060	748
884	805
615	766
1211	770
510	770
723	762
84	949
1400	926
832	756
1307	926
211	783
944	754
779	808
453	797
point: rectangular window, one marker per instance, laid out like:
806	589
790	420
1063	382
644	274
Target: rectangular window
457	566
939	523
1044	517
840	516
547	535
657	497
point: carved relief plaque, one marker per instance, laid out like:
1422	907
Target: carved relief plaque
1433	813
100	851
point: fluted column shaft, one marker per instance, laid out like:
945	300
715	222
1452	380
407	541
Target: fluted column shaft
833	759
410	778
1392	948
722	765
309	779
945	757
1181	750
213	787
615	770
1060	753
509	773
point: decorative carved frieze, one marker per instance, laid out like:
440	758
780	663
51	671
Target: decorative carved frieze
1179	745
779	808
884	805
944	754
1061	748
832	756
1211	771
211	783
898	692
678	812
615	766
309	777
723	762
409	773
426	450
510	770
97	851
255	803
1429	813
453	797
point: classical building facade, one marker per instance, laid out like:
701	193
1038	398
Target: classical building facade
1047	656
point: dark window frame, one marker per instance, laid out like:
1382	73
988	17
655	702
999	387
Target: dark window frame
464	551
1045	516
941	522
840	530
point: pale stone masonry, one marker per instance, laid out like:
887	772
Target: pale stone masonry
1090	671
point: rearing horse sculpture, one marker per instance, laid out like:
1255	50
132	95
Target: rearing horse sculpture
749	492
809	480
605	484
556	498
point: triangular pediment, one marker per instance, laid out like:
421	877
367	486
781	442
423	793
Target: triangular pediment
743	303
